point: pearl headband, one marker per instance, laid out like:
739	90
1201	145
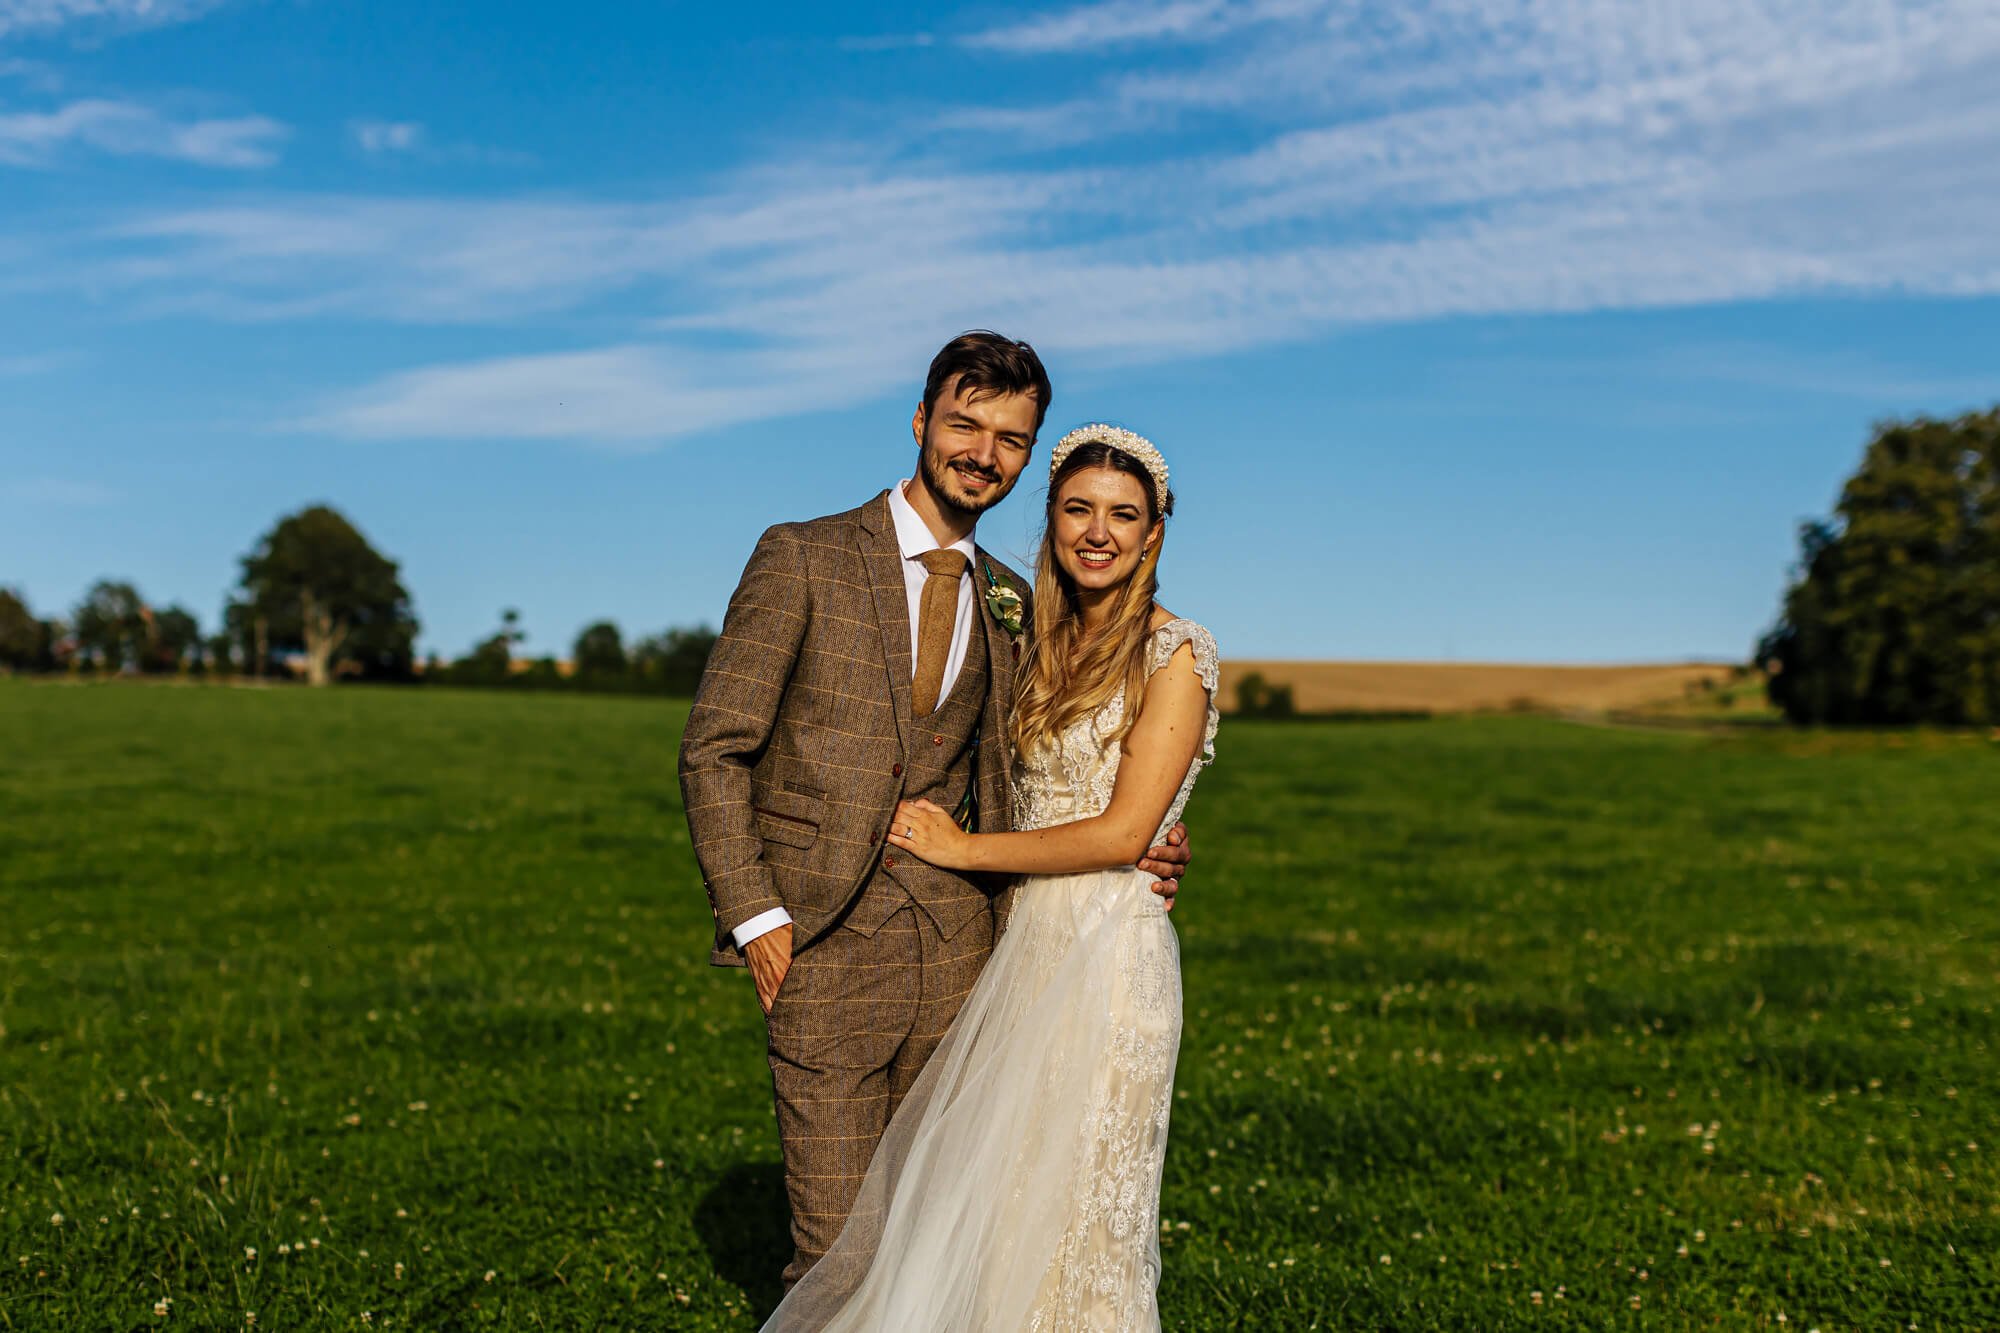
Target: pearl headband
1124	441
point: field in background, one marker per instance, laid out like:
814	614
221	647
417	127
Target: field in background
1468	687
390	1009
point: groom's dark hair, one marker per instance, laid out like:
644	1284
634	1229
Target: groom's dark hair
988	364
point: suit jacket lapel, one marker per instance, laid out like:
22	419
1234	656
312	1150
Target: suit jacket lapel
995	758
884	561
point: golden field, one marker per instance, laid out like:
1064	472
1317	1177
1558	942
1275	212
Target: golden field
1468	687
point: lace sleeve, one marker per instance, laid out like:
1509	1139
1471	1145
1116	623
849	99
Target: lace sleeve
1167	640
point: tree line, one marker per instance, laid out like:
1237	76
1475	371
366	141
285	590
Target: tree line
314	600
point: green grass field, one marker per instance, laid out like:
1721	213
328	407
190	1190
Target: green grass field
391	1009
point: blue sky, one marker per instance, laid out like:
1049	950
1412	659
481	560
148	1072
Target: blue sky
1473	329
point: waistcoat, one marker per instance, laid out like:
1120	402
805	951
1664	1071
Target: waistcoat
938	768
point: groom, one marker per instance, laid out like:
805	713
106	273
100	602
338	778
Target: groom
865	659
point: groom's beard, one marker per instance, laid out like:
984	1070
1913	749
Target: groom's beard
941	479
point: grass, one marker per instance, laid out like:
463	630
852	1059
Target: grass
391	1009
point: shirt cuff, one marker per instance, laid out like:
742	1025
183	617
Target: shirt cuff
761	924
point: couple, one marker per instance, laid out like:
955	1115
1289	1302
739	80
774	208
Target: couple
925	800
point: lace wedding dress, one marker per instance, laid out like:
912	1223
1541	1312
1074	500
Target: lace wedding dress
1018	1186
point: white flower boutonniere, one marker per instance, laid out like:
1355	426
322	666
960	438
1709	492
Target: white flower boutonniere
1003	602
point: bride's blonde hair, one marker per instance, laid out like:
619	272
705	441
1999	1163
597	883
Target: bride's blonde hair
1069	672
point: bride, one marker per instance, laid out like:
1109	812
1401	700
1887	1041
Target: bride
1018	1186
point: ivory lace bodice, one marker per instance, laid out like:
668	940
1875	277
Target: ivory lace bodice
1073	778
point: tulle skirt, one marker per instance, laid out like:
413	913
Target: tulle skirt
1018	1186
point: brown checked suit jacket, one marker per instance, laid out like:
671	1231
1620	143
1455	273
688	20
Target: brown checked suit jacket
792	761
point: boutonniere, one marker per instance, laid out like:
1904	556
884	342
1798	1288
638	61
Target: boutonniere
1003	602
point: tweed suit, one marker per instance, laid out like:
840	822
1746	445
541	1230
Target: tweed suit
799	746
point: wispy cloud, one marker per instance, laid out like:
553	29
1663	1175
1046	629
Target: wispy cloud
34	363
620	396
37	138
58	492
35	75
34	17
1447	157
387	136
908	41
1129	22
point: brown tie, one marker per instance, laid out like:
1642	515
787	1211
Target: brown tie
936	612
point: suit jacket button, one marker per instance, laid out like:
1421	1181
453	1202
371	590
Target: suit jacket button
895	770
888	863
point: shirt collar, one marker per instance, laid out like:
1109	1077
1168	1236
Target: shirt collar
913	537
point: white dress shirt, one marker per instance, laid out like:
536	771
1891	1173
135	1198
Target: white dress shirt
914	539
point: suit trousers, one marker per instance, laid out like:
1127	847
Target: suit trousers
850	1029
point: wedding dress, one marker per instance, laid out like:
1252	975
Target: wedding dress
1018	1185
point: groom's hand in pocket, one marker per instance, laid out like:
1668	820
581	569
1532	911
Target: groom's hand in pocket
1167	863
770	956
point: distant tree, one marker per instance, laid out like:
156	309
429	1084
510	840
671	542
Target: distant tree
1257	697
1894	615
20	633
220	650
599	654
314	585
491	661
542	673
248	633
110	626
173	641
672	662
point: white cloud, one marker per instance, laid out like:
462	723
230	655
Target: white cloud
1128	22
1448	157
33	363
627	395
44	16
58	492
913	41
32	74
34	138
388	136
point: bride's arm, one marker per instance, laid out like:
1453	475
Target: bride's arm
1158	750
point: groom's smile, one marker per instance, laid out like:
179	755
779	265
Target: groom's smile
972	446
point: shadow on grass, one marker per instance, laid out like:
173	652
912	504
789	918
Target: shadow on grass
744	1222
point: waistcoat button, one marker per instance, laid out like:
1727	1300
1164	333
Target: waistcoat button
937	740
895	770
888	863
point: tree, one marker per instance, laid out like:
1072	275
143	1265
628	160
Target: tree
20	633
111	626
599	654
672	662
1257	697
248	636
173	640
319	588
1894	615
491	661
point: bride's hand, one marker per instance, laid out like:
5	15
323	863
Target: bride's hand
928	831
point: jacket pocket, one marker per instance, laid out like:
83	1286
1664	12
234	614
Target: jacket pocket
788	818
